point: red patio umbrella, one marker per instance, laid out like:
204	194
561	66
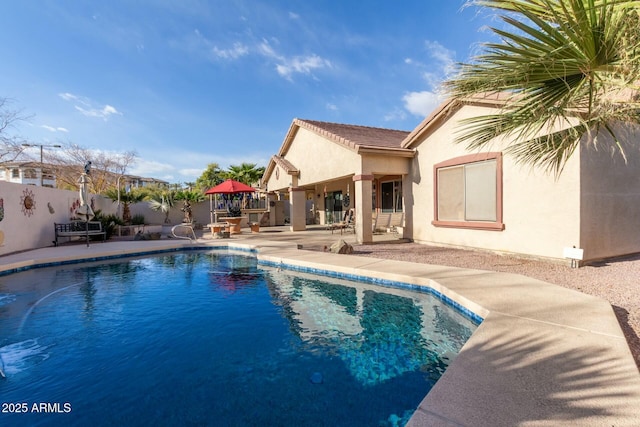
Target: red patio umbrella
228	187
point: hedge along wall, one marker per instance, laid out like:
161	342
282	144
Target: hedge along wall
28	212
200	212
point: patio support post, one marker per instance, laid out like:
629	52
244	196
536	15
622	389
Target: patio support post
363	193
297	209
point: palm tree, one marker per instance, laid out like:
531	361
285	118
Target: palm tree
211	177
247	173
135	195
162	201
568	68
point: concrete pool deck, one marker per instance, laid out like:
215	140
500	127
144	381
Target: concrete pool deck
543	356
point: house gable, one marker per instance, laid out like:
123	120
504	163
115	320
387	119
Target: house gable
314	151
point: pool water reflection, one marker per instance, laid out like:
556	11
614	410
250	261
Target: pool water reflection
216	339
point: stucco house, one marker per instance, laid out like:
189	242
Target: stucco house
31	173
325	169
448	195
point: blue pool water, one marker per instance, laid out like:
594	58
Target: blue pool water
209	338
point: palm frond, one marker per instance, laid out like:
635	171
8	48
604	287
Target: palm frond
572	65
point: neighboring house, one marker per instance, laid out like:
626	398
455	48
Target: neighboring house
132	181
451	196
31	173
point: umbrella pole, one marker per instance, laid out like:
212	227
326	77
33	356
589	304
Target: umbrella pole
210	209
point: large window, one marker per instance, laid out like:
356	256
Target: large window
30	174
468	192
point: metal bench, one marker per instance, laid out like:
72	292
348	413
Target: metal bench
82	229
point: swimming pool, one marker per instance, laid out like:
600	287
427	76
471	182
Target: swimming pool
211	338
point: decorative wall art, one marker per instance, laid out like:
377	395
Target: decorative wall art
28	202
74	206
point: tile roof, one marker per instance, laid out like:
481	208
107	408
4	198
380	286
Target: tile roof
356	136
285	165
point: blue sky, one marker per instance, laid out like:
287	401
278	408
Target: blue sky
190	82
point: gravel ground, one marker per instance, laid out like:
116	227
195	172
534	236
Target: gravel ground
617	281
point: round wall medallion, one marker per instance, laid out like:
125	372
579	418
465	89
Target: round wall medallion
28	202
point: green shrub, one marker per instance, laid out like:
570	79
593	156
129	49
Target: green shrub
109	222
137	219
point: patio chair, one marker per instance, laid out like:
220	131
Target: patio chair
346	223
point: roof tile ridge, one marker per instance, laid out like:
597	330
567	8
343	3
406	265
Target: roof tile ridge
309	122
324	132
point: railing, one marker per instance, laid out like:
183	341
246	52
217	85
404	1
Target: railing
188	227
222	205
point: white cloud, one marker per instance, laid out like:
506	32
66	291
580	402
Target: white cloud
444	57
421	103
54	129
103	112
198	44
301	65
433	79
396	114
87	107
332	107
148	168
191	172
293	15
238	50
67	96
286	67
266	49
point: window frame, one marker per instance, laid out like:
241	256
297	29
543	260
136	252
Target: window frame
498	224
30	173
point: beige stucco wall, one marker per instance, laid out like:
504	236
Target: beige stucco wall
380	164
279	180
611	196
541	213
24	229
317	159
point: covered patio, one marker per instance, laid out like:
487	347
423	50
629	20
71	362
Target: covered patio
323	170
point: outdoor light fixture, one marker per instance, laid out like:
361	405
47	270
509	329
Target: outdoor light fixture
41	163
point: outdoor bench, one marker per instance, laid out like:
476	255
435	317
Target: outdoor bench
79	229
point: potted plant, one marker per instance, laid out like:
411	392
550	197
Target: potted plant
234	216
234	211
